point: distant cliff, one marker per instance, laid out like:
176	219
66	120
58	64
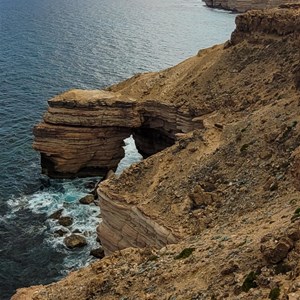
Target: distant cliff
245	5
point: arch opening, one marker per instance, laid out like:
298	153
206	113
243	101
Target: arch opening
131	155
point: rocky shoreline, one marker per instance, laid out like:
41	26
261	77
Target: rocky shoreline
246	5
213	211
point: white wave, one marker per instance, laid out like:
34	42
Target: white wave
65	195
131	155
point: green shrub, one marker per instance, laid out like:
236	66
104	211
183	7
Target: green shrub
249	282
274	293
296	214
244	148
282	268
185	253
152	258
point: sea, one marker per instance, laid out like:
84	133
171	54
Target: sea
50	46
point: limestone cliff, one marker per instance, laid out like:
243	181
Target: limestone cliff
245	5
82	132
226	192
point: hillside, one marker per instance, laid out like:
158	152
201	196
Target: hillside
215	208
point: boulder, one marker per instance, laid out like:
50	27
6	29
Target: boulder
98	253
88	199
56	215
65	221
275	252
75	241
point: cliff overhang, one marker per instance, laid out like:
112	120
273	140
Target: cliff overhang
82	131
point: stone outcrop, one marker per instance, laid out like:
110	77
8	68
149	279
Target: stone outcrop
75	241
253	25
126	225
82	132
245	5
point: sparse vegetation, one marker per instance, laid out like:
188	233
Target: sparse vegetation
153	258
274	293
296	215
185	253
244	147
249	282
282	268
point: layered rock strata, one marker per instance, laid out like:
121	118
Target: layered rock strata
126	226
245	5
228	191
230	81
82	132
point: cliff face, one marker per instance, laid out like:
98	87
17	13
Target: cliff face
82	132
226	193
245	5
223	88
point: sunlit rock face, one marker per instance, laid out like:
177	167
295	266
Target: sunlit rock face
245	5
82	132
126	225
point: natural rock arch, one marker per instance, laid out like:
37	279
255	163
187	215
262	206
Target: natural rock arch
82	131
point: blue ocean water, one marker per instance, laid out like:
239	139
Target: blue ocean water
47	47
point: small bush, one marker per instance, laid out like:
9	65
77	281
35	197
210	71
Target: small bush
297	211
249	282
244	148
274	293
185	253
282	268
296	215
152	258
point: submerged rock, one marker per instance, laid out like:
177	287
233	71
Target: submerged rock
75	241
65	221
60	232
56	215
88	199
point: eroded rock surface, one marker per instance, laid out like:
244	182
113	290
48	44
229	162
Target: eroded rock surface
235	93
75	241
126	225
226	193
82	132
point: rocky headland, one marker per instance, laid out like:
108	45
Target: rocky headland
213	211
245	5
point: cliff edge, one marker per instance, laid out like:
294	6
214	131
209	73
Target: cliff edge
246	5
214	212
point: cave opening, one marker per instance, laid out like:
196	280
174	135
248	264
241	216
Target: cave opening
150	141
